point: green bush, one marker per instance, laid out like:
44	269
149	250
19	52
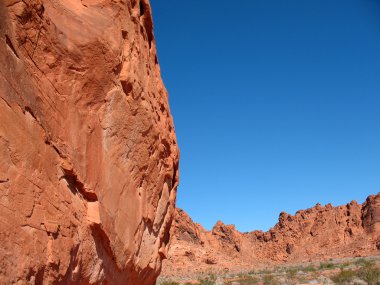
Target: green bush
309	268
343	276
364	262
324	266
370	274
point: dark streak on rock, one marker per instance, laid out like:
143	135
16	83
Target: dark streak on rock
10	45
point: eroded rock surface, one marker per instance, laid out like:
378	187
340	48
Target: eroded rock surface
89	160
315	234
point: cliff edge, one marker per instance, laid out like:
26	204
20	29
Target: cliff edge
89	155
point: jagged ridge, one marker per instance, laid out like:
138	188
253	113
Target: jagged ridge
318	233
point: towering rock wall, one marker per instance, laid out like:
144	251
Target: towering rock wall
318	233
89	160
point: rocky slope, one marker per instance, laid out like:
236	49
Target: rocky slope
318	233
89	156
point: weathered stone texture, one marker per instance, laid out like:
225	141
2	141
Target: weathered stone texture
89	160
315	234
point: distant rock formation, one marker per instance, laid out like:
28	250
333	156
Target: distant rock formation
318	233
89	160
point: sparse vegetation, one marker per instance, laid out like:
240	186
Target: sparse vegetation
309	268
344	265
169	283
264	271
370	274
268	279
343	277
249	280
291	274
246	280
362	262
209	280
328	265
346	272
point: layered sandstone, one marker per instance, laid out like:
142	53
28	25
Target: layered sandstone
315	234
89	156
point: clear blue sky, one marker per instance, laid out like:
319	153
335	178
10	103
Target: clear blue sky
276	104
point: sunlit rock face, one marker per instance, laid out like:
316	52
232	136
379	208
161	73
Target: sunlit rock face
89	160
318	233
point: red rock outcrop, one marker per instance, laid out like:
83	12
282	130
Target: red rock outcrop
89	156
318	233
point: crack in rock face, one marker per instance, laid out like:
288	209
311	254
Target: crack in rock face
89	154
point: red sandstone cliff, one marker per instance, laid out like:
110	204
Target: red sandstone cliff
318	233
89	160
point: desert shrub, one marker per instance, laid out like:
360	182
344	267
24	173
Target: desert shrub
360	261
264	271
291	273
344	265
309	268
209	280
328	265
364	262
241	275
343	276
248	280
169	282
268	279
370	274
